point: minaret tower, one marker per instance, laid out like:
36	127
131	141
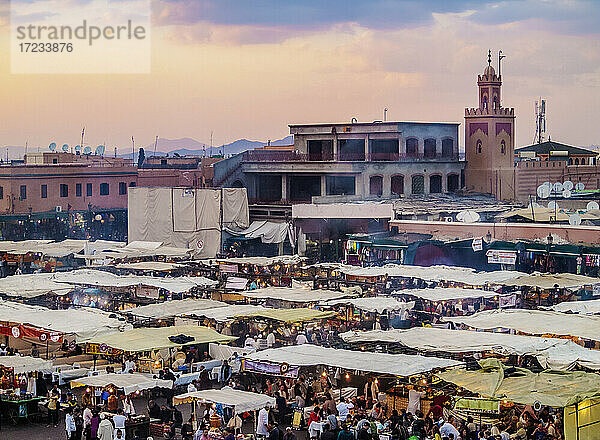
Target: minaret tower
489	140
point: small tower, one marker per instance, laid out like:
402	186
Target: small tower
489	140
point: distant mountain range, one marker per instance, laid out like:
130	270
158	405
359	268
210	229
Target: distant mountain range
192	147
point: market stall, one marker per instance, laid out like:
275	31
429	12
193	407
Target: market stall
18	399
109	387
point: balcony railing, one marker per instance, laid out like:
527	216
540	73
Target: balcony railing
293	156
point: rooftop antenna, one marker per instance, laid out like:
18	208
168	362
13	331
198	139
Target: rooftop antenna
82	135
540	121
132	149
155	144
26	142
385	114
211	144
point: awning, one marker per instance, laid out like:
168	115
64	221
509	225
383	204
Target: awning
299	295
557	354
535	322
589	307
377	304
158	266
268	232
463	275
292	315
549	281
25	364
552	388
100	278
381	363
32	285
446	293
129	383
147	339
84	323
263	261
229	312
241	401
168	309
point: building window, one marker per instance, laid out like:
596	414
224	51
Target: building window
376	185
351	150
429	148
44	191
64	190
383	149
122	188
452	182
478	146
320	150
104	189
447	147
78	190
435	184
503	148
88	189
397	185
340	185
412	147
576	161
418	184
1	192
23	192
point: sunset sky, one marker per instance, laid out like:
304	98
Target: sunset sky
249	68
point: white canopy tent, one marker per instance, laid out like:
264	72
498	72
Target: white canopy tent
446	293
157	266
377	304
129	383
25	364
589	307
463	275
549	280
168	309
535	322
240	401
223	314
381	363
298	295
552	353
263	261
100	278
32	285
83	323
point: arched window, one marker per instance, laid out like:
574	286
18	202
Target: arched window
412	146
485	102
576	161
435	184
570	161
503	147
478	146
452	182
376	185
418	184
429	148
397	184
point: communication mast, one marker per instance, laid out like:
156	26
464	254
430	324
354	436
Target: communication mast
540	121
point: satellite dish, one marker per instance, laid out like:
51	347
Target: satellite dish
566	193
579	187
87	150
52	146
543	191
468	216
575	219
568	185
592	206
557	187
99	150
553	205
78	148
65	147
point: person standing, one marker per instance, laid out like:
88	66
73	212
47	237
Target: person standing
105	429
87	422
262	422
119	421
70	427
53	407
